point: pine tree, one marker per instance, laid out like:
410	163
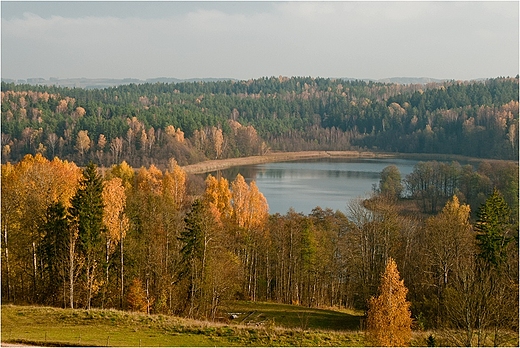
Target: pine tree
194	252
493	227
54	251
388	321
86	214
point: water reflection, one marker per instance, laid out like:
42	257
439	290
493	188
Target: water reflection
327	183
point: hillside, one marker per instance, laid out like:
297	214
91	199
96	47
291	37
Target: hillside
260	324
195	121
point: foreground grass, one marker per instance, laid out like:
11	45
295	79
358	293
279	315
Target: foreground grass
65	327
257	324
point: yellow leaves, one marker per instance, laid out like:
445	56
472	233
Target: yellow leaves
102	141
258	208
176	134
80	112
124	172
114	219
149	180
250	209
243	205
82	141
174	184
136	297
240	190
389	319
33	184
62	106
454	210
171	185
218	198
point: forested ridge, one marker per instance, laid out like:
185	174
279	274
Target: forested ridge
192	121
82	227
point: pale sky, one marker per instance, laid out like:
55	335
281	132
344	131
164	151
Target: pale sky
243	40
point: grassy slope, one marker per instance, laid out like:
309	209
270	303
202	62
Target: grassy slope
258	324
53	326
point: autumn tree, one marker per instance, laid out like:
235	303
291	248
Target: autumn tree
82	142
28	189
449	247
250	213
116	224
124	172
174	184
389	318
217	196
136	297
390	182
218	141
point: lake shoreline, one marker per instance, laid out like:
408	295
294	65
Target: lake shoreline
219	164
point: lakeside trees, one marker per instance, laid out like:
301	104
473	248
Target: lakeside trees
149	123
185	254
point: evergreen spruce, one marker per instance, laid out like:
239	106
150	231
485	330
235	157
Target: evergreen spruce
86	213
493	229
54	251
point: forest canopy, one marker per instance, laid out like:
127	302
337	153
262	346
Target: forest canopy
192	121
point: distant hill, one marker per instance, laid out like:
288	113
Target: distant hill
400	80
90	83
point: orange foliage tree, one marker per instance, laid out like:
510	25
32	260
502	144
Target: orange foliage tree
389	321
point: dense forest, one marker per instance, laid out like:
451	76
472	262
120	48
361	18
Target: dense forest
97	211
192	121
144	241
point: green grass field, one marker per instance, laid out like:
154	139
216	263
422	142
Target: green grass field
258	324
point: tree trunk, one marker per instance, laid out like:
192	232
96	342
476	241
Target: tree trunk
89	292
72	244
122	269
106	272
7	269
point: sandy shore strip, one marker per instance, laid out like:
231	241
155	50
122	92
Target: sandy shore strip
213	165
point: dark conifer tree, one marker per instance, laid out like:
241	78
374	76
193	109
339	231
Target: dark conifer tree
494	229
87	213
54	252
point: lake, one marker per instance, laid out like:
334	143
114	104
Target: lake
328	183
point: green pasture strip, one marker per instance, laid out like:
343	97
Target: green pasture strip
258	324
47	326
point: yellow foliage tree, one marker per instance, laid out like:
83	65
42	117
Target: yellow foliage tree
218	198
240	193
136	298
258	210
150	180
82	142
174	184
114	219
123	171
388	320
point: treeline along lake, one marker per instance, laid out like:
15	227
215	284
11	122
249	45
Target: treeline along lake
327	183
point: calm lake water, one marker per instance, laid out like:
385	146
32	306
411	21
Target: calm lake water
328	183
